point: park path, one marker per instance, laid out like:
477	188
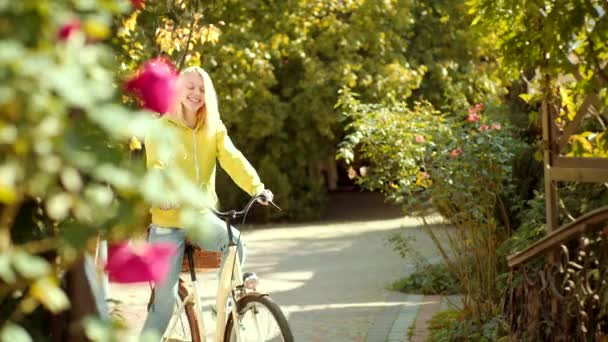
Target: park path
331	278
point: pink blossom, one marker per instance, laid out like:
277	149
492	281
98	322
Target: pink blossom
419	139
456	152
473	117
68	29
484	128
496	126
479	107
156	85
138	4
424	175
147	262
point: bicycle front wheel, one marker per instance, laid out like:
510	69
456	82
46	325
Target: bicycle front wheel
260	319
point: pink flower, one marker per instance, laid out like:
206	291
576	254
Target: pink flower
138	4
424	175
148	262
156	85
484	128
473	117
479	107
456	152
419	139
68	29
496	126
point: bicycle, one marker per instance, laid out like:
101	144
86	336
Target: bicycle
257	316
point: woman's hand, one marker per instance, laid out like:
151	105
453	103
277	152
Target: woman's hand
266	196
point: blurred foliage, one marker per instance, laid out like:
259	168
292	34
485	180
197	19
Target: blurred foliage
66	175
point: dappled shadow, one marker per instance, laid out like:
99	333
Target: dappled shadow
359	206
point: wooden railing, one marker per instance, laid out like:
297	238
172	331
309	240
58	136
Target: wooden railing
558	289
559	285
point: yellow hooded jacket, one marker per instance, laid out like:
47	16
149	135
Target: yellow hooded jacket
195	155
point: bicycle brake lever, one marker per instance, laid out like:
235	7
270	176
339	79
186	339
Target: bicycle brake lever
274	205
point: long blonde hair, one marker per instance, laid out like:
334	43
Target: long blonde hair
208	116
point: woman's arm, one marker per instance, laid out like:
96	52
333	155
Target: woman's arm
237	166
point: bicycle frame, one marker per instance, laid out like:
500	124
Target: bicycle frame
229	280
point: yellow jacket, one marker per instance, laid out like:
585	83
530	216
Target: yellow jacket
195	154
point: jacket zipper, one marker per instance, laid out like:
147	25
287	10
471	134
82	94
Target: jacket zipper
195	158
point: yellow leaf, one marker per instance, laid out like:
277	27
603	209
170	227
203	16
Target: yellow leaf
134	144
96	30
7	194
210	33
46	290
129	24
568	103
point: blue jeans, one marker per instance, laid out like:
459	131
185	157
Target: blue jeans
214	237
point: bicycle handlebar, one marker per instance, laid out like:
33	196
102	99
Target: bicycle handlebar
233	214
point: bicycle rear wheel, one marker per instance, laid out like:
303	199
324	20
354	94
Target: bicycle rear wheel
260	319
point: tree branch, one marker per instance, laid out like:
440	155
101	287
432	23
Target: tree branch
180	64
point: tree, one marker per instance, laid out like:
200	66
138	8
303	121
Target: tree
278	67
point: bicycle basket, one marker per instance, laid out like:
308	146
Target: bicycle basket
203	260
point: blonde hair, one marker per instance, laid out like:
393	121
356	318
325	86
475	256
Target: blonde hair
208	116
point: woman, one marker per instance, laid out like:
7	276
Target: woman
202	138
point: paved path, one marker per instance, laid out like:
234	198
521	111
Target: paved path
330	278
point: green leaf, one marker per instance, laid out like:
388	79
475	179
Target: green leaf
30	266
14	333
10	51
525	97
6	271
75	234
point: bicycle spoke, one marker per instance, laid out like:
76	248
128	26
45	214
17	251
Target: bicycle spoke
258	324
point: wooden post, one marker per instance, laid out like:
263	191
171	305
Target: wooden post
550	185
549	154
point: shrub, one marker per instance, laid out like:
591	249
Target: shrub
453	325
461	164
430	280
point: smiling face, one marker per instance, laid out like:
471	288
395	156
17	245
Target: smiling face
192	91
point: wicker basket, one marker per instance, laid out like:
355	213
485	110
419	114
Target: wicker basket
203	260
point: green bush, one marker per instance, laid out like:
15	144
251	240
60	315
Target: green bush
66	175
461	163
454	325
430	280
